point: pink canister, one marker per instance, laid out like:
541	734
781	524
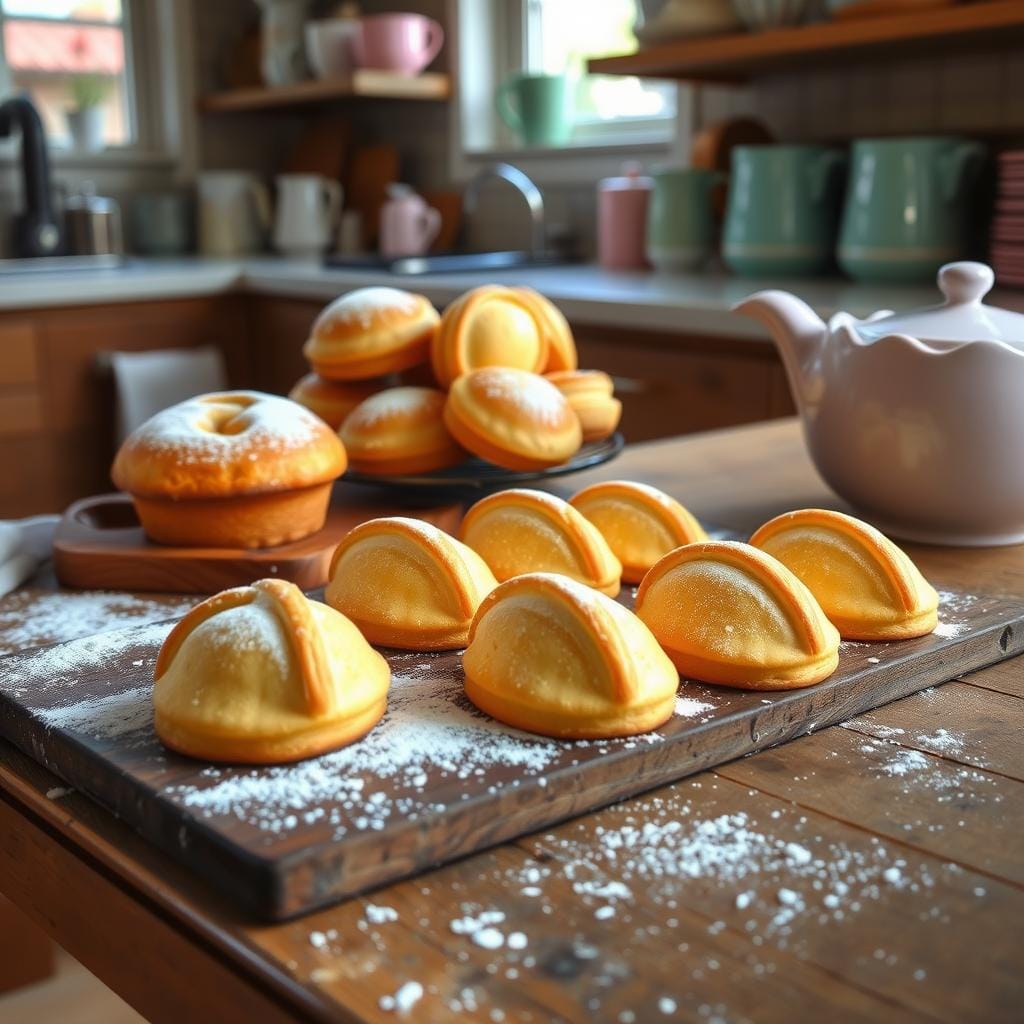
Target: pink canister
622	220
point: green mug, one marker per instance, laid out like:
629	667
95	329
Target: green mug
680	219
908	207
537	107
783	210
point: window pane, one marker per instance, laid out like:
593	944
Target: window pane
68	67
81	10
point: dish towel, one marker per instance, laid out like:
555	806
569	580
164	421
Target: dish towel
24	545
147	382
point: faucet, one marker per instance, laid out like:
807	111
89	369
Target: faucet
36	230
527	189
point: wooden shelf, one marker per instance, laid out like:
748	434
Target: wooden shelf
362	84
738	58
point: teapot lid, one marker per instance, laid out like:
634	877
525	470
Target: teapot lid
962	317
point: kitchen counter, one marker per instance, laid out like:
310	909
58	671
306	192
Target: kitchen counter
696	304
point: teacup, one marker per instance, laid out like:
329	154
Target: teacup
403	43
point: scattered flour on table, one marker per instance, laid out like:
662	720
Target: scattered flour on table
404	999
380	915
688	707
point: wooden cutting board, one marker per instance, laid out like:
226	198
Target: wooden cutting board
435	780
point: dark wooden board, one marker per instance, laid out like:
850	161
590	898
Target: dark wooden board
436	780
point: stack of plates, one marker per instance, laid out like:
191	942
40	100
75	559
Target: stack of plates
1007	238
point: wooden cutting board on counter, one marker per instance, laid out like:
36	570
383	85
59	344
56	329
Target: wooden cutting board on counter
435	780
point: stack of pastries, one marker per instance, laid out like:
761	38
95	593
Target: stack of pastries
494	376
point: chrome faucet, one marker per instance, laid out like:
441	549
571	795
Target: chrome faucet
526	188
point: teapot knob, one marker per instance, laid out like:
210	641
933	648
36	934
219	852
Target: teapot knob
965	282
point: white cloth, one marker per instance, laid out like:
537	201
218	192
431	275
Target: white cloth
150	381
24	545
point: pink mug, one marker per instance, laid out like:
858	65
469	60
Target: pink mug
408	226
403	43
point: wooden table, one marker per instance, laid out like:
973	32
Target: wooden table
870	872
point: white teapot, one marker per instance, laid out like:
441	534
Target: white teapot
917	419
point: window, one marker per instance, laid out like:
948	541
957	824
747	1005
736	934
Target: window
73	55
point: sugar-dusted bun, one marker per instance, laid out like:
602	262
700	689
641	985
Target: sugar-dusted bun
407	584
589	392
728	613
520	530
332	401
489	326
512	418
231	469
561	346
640	523
400	430
554	657
370	332
867	586
263	675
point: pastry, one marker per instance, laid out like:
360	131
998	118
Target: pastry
488	326
407	584
640	523
512	418
332	401
728	613
519	531
398	431
370	332
263	675
561	346
551	656
233	469
589	392
865	584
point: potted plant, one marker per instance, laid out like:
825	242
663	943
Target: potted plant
85	118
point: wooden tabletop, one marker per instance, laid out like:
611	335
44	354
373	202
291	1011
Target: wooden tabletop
871	871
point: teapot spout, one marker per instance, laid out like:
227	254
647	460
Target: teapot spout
799	335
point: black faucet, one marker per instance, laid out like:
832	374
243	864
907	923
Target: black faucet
36	230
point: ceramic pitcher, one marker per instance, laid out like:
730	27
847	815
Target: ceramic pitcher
308	206
234	213
908	207
408	226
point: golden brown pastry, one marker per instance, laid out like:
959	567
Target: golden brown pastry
407	584
640	523
561	346
370	332
263	675
589	392
519	531
332	401
488	326
728	613
865	584
232	469
554	657
512	418
400	431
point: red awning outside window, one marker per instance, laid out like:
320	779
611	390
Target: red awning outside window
38	46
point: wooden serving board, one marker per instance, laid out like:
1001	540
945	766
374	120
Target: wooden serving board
436	779
100	544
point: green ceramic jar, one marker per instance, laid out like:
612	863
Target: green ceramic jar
680	219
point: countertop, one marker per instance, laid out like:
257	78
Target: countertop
685	304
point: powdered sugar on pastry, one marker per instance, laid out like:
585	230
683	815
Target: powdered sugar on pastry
364	304
534	397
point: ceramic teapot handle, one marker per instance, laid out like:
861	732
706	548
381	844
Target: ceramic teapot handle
965	282
823	171
959	166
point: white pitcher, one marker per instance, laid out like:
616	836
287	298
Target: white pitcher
234	213
308	207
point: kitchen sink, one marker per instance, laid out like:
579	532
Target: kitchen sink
446	262
52	264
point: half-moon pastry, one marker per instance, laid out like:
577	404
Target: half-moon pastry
589	392
512	418
400	430
332	401
370	332
232	469
407	584
554	657
488	326
865	584
640	523
561	346
728	613
520	531
263	675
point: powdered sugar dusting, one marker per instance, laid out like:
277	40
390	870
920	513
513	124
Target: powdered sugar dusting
364	304
522	394
394	404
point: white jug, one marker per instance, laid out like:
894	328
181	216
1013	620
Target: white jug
234	213
307	214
